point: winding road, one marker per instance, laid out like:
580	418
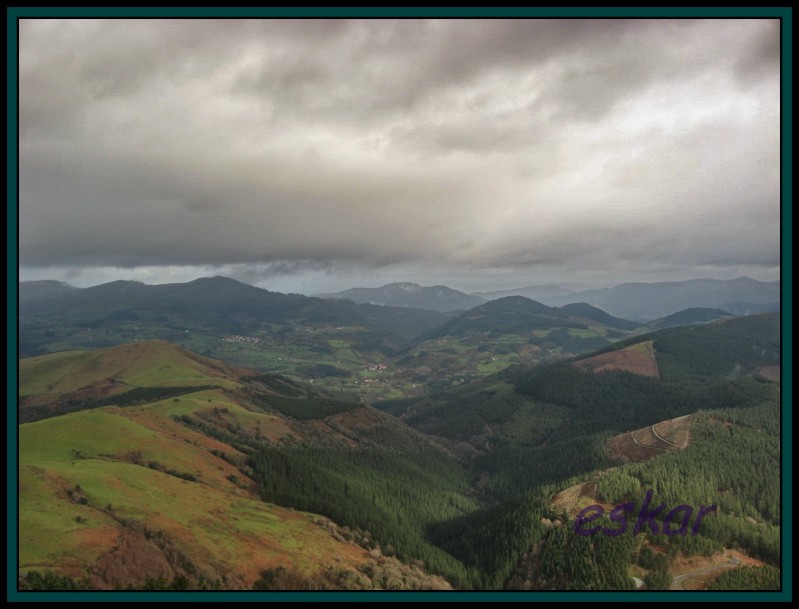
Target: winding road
676	583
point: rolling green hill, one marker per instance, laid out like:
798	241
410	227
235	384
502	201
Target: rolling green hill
160	491
586	311
433	298
116	312
503	332
509	315
119	497
698	315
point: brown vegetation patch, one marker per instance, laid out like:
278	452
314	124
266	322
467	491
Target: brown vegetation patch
625	448
59	401
770	373
210	468
694	585
671	435
638	359
104	536
745	560
133	560
274	428
356	416
705	569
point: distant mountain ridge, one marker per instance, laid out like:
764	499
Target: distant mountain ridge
586	311
533	292
696	315
216	304
33	290
433	298
517	314
648	301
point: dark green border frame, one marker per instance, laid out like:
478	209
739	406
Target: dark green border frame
785	14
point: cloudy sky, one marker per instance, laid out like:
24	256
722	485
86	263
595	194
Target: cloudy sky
315	155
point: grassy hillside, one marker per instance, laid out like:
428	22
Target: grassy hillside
160	493
143	364
509	315
102	490
434	298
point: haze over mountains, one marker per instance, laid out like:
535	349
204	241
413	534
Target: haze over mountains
434	298
694	315
638	301
648	301
533	292
226	299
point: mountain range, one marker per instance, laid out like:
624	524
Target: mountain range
647	301
367	350
336	343
434	298
533	292
213	304
640	302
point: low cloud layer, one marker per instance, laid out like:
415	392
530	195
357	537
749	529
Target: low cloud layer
523	148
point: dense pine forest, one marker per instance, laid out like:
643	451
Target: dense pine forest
390	497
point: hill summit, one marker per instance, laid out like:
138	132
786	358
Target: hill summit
433	298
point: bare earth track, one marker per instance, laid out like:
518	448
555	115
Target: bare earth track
671	435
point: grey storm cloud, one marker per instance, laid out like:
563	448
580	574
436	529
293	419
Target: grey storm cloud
284	146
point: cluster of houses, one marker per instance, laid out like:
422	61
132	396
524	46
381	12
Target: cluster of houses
240	339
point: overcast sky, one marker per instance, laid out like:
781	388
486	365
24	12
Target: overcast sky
314	155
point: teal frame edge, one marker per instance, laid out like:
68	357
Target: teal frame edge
786	305
13	14
12	273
